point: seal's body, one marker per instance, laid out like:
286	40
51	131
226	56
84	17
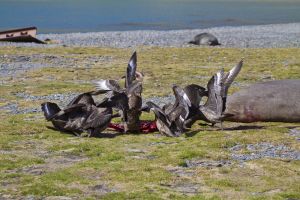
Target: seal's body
272	101
205	39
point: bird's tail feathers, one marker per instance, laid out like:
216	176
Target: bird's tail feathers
50	109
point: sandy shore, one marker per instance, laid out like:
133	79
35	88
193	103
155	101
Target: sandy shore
259	36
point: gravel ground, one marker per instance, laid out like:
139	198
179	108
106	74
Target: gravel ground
295	132
258	36
61	99
11	65
263	150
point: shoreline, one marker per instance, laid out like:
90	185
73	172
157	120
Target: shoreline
253	36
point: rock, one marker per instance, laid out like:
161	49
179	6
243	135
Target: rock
207	163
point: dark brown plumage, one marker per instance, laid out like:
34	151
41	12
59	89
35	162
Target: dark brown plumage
80	115
133	90
170	119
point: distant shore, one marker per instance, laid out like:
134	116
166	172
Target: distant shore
258	36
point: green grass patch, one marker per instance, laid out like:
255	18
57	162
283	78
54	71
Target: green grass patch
141	166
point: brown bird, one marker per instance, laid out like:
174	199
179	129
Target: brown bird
133	90
170	119
194	94
217	89
80	115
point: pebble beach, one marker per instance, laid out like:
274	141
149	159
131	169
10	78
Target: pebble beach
257	36
242	161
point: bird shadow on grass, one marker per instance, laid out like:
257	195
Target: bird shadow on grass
238	128
243	127
116	134
292	127
192	133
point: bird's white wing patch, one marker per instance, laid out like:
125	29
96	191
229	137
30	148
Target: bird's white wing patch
102	85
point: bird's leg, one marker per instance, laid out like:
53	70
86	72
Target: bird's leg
222	125
78	134
90	133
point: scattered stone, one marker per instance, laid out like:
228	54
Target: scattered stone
10	107
295	133
185	188
34	117
51	97
5	196
264	150
34	170
7	152
61	99
160	143
274	191
12	65
30	197
13	108
149	157
207	163
136	151
102	189
182	172
59	198
51	164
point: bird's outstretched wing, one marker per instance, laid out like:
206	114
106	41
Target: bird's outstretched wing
84	98
131	70
214	101
98	118
231	75
107	85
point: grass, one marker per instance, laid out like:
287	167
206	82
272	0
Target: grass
38	161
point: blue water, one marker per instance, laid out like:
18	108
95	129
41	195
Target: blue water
57	16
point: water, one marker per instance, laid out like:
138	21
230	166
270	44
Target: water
58	16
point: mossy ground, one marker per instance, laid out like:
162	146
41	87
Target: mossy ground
38	161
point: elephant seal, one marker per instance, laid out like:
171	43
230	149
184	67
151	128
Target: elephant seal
272	101
205	39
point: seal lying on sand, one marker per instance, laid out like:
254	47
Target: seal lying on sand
205	39
272	101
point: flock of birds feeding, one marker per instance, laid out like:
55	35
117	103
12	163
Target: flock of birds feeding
83	114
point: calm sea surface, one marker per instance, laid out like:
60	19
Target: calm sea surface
57	16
